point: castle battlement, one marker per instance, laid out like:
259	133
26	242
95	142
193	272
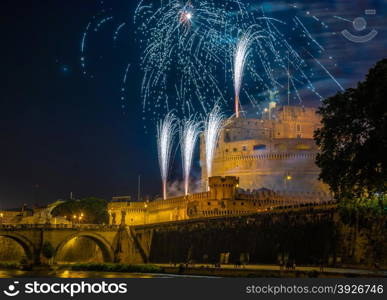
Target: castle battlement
224	198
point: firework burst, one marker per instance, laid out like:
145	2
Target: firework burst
185	49
166	131
191	51
189	132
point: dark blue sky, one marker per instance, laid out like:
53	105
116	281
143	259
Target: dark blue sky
62	132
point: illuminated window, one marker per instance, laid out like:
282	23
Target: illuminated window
260	147
303	147
280	147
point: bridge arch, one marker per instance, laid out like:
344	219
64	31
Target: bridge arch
26	244
103	244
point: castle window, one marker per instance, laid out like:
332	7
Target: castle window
298	128
209	203
259	147
244	148
242	203
235	149
226	150
303	147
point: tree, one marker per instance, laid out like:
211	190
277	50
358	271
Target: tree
353	139
93	209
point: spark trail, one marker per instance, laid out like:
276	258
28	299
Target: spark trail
240	57
166	131
189	132
213	126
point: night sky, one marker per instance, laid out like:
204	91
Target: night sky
63	132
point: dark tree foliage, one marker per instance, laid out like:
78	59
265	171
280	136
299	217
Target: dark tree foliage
353	138
93	209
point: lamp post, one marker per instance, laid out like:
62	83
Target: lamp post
287	179
145	209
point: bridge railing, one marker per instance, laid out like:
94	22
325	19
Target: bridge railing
60	226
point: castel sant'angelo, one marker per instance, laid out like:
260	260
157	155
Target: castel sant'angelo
259	164
276	152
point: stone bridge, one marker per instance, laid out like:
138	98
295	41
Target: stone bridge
117	243
306	234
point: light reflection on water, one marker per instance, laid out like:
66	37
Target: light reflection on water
74	274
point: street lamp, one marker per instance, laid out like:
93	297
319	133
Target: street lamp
145	209
287	179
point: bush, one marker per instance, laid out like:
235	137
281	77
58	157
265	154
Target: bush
6	265
108	267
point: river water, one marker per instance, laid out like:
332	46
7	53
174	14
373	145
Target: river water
76	274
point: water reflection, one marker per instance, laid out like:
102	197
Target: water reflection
74	274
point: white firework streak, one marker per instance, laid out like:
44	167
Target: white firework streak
240	57
189	132
166	131
213	126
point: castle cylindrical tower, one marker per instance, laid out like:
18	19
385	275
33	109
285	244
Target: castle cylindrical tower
277	153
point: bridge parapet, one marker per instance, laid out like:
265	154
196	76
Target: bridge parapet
94	227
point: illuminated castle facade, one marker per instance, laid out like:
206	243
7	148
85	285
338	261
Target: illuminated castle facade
259	165
223	199
276	152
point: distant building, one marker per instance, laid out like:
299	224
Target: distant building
13	216
38	215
